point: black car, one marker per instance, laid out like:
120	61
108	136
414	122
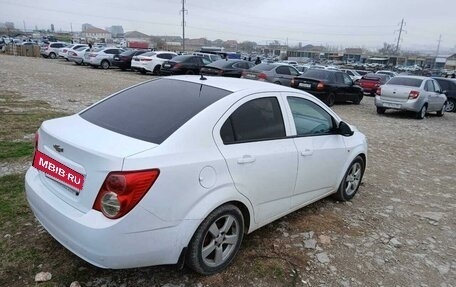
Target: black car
329	86
449	87
227	68
123	60
185	64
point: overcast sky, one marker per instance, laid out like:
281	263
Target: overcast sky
349	23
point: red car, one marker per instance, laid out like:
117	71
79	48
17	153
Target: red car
370	82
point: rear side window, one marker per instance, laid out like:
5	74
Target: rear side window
263	67
318	74
258	119
154	110
411	82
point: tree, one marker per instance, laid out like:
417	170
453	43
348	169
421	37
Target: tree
388	49
247	46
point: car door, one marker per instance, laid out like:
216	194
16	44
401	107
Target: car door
440	97
351	90
341	87
431	95
282	75
262	161
321	151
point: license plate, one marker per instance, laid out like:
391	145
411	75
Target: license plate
395	106
58	171
250	76
116	58
166	65
304	85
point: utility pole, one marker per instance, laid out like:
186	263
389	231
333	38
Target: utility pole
183	11
438	50
400	34
24	26
71	27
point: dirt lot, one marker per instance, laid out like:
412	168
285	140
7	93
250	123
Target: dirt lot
398	231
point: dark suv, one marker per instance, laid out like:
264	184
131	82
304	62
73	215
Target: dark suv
449	87
185	64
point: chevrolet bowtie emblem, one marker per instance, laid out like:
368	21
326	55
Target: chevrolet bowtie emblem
58	148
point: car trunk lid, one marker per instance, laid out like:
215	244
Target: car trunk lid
396	93
87	149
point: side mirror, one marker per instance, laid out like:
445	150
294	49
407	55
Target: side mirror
443	92
345	129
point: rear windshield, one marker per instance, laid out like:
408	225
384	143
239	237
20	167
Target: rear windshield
148	54
411	82
221	64
317	74
152	111
182	58
263	67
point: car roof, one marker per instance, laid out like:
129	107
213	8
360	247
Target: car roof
233	84
414	77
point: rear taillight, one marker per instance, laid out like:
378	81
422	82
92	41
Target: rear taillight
244	73
73	54
320	86
146	60
292	82
220	73
177	66
65	50
121	191
262	76
377	85
414	94
379	91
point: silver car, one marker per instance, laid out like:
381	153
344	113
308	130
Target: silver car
411	93
51	50
101	57
277	73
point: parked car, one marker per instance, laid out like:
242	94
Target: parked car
354	75
185	64
51	50
385	72
123	60
289	62
77	55
329	86
411	93
302	68
449	88
63	52
151	61
208	56
276	73
363	72
227	68
370	82
178	169
101	57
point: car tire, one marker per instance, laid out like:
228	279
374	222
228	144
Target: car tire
209	250
351	181
277	82
77	63
357	99
143	71
156	70
422	113
442	111
105	64
450	106
330	100
52	55
380	110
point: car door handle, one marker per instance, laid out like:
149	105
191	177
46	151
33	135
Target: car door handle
246	159
307	152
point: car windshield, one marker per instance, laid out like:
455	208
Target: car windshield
403	81
81	48
317	74
152	111
263	67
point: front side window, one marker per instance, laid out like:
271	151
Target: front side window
256	120
309	118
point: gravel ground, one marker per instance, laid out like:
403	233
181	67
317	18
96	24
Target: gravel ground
398	231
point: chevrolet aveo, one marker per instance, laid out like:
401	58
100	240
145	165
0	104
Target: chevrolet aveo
176	170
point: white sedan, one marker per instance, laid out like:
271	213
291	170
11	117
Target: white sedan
179	169
151	61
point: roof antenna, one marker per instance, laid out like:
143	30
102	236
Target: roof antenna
202	77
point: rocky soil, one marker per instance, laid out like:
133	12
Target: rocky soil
400	229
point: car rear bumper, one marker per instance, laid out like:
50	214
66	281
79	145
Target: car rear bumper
135	240
408	105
